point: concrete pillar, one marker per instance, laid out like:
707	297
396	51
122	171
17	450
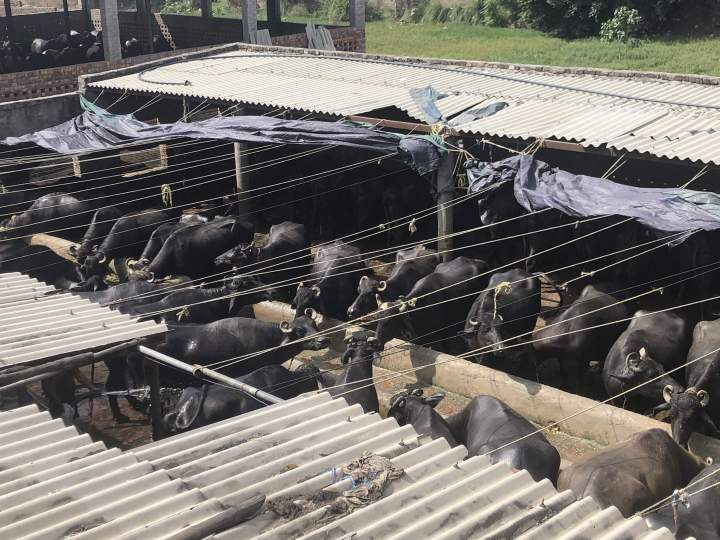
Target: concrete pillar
445	182
66	16
144	15
249	20
274	14
9	21
357	13
242	177
110	29
206	8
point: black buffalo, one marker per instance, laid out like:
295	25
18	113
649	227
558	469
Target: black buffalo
633	474
652	343
38	262
699	518
354	382
210	403
57	213
693	409
451	287
485	425
134	292
411	265
335	270
126	238
205	305
508	309
236	337
100	226
192	250
566	339
154	244
282	260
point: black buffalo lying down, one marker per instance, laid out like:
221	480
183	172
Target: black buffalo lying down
485	425
210	403
63	214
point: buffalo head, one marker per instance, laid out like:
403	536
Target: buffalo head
245	290
394	320
409	404
95	264
368	298
687	410
240	256
361	347
304	330
308	296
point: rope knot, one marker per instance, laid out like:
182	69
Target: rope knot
679	496
500	288
184	313
412	227
166	194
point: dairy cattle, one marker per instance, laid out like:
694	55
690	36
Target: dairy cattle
354	380
449	291
38	262
697	408
335	269
63	214
411	265
192	250
509	308
154	244
210	403
281	260
633	474
136	292
699	518
652	343
126	238
567	338
100	226
236	337
485	425
205	305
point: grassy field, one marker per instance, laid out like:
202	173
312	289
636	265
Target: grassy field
470	42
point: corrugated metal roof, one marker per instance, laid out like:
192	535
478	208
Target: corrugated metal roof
651	116
34	326
56	483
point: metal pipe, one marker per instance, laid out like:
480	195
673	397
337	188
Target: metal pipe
200	371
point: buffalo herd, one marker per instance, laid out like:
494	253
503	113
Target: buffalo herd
644	338
65	50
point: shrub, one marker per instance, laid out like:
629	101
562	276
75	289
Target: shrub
625	26
501	13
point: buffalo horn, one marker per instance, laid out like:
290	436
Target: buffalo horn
152	277
416	392
131	263
310	312
703	397
412	302
473	321
315	289
285	327
632	361
363	279
382	286
643	353
667	393
101	258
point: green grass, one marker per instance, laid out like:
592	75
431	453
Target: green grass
468	42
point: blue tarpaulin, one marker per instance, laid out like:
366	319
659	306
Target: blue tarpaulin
537	185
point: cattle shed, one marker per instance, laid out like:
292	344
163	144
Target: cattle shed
278	472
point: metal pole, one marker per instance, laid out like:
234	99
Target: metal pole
445	195
9	22
241	177
152	372
200	371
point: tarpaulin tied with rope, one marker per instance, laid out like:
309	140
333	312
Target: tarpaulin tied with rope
98	130
538	186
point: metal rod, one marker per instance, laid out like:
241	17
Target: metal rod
200	371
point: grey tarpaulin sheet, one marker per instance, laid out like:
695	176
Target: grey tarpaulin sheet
537	185
91	131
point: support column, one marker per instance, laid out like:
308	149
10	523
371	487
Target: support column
206	8
9	21
144	15
152	372
110	29
274	15
445	195
66	16
357	13
242	177
249	20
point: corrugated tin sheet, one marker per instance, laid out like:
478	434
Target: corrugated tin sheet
56	483
670	119
34	326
